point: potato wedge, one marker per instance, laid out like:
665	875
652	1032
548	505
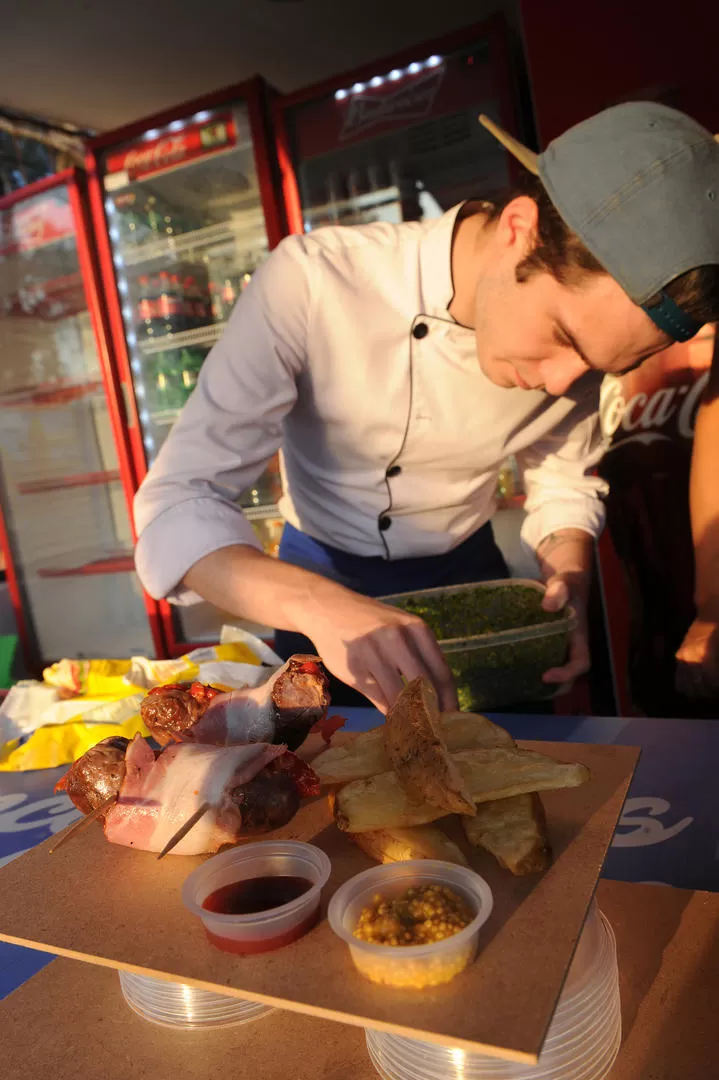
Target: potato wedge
367	754
470	731
417	751
380	802
514	830
419	842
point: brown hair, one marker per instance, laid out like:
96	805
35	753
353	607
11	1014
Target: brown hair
561	253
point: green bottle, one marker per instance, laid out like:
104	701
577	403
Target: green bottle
168	392
190	363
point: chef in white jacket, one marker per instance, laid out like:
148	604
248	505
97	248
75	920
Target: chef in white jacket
397	367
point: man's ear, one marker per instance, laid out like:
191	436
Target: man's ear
517	226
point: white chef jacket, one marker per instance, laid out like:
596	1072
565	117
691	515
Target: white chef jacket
342	351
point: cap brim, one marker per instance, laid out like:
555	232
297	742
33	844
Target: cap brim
523	154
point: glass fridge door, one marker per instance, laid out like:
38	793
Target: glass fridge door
405	144
187	231
62	500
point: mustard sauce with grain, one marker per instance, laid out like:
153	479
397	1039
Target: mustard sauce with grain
422	915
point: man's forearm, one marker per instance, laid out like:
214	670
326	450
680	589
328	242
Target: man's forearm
371	646
704	503
256	587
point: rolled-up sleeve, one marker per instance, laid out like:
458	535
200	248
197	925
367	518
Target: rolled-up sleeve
562	492
187	506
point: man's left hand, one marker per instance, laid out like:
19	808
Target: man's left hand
560	593
565	559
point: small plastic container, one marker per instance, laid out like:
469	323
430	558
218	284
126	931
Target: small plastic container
582	1042
179	1005
261	931
499	667
411	966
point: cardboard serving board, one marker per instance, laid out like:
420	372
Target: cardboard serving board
71	1020
111	905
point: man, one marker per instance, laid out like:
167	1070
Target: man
398	366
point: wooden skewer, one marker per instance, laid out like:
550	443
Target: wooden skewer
83	823
184	829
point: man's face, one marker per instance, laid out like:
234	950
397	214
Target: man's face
540	334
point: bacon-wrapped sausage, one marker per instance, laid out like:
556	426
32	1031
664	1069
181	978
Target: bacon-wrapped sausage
281	710
250	789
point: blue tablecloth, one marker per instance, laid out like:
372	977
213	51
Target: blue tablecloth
668	833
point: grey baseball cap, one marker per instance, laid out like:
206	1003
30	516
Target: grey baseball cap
639	184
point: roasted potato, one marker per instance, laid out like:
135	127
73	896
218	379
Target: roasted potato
418	754
367	754
401	845
514	831
380	802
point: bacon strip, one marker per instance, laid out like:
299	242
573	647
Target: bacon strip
283	709
157	796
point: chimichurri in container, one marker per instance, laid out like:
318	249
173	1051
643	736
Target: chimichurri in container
496	637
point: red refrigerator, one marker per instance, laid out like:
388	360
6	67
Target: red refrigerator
400	140
66	473
185	206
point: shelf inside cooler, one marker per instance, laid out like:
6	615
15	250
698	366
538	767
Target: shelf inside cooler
59	483
165	417
50	394
121	563
224	234
201	335
259	513
367	201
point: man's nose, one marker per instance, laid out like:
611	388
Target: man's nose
559	372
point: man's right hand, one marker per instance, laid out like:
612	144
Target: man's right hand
371	646
375	648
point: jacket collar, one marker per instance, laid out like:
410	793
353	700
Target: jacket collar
435	264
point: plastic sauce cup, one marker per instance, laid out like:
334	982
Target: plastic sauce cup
261	931
410	965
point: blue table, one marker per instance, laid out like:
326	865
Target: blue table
30	812
668	833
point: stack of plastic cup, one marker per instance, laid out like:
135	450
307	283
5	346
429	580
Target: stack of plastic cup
179	1005
582	1042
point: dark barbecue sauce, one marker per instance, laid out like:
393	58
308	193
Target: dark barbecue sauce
256	894
253	896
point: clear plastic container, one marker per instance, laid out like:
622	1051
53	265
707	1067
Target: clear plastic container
261	931
582	1042
179	1005
412	966
495	668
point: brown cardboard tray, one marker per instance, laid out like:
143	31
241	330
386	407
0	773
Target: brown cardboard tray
111	905
71	1019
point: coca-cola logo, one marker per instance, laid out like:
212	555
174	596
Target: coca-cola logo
669	411
410	102
172	148
159	153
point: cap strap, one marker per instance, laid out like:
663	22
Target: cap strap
670	318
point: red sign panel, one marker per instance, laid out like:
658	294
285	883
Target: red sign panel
31	225
461	81
147	157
